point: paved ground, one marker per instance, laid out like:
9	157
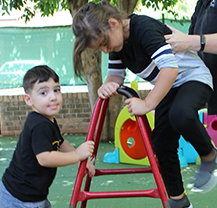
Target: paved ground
61	189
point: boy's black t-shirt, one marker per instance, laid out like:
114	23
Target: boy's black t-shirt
25	179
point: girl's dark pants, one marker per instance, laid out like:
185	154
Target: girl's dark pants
177	114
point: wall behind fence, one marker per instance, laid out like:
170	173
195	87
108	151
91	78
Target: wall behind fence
74	116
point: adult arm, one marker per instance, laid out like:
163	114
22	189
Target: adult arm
163	84
180	41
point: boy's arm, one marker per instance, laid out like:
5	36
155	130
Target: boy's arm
58	159
163	84
66	147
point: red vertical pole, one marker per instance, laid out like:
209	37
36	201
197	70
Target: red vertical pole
145	131
96	141
82	168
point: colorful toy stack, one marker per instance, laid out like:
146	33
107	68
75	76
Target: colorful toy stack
210	121
187	153
129	146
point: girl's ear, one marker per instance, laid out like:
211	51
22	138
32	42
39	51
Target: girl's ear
28	100
113	23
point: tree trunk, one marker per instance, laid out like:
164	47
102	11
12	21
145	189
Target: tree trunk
92	72
75	5
127	6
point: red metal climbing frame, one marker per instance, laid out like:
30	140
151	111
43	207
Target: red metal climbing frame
94	132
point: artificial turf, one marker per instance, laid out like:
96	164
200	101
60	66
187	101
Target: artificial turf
63	184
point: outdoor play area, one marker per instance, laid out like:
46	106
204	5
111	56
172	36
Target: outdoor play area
125	152
61	189
120	155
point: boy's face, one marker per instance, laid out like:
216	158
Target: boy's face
45	98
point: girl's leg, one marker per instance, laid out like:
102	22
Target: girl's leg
189	99
178	114
184	118
165	144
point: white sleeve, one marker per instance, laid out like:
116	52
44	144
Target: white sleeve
116	67
164	57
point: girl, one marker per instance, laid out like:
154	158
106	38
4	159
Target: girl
183	84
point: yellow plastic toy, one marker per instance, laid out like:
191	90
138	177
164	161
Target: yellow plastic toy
127	136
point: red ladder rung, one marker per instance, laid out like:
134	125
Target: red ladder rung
122	171
94	133
86	195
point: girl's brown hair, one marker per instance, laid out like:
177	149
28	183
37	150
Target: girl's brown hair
89	23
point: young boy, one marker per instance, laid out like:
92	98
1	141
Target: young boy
40	148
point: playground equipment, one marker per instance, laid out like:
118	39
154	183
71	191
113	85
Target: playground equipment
187	153
94	133
129	146
210	121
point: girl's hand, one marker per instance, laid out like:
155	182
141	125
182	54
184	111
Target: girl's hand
136	106
108	89
164	82
85	150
